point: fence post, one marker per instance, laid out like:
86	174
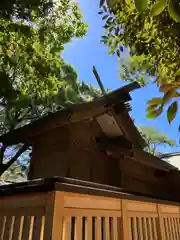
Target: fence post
54	216
125	220
160	225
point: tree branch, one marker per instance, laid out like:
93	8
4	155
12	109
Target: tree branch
4	167
3	149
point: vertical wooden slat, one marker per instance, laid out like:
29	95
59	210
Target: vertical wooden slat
140	229
177	229
42	228
88	231
173	228
38	229
18	228
165	229
98	228
115	229
170	228
78	228
27	228
9	228
67	228
107	229
150	229
130	228
2	226
135	229
168	235
154	229
145	228
178	226
31	227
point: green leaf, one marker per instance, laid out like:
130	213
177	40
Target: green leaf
174	10
172	111
158	7
153	113
166	87
141	5
118	53
168	96
104	17
155	101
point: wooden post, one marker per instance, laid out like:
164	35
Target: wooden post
160	224
125	220
54	217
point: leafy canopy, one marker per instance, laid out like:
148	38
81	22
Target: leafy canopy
153	33
154	139
134	69
30	51
35	79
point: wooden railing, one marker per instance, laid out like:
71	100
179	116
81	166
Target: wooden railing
61	215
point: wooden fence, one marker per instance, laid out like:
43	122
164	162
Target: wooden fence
71	216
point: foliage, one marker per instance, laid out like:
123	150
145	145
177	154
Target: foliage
30	51
154	139
155	7
156	38
134	69
24	9
73	92
32	37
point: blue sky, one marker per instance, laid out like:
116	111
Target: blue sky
85	53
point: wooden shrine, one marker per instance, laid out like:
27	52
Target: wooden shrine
96	142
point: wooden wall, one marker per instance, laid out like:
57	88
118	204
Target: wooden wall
70	151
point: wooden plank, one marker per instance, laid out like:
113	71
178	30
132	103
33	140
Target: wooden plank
135	228
142	214
2	226
107	228
26	201
90	212
140	229
150	228
173	228
177	229
91	203
27	227
9	227
178	225
78	228
98	228
67	228
89	228
115	229
54	216
154	226
168	234
170	228
137	206
125	224
160	224
145	228
38	230
169	209
18	228
130	228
